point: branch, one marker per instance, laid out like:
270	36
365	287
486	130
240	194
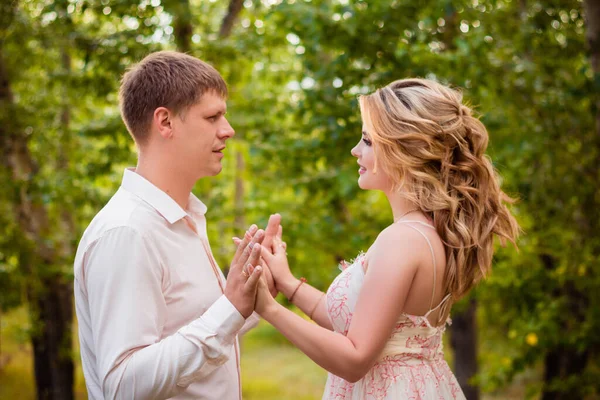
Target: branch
234	9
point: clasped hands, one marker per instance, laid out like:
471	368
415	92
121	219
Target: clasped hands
259	269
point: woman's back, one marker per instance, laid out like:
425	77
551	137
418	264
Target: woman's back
411	364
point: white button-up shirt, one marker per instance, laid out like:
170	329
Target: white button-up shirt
153	320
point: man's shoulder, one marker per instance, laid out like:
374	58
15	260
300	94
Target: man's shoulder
123	211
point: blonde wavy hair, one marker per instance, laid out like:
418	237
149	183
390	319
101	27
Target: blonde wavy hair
432	148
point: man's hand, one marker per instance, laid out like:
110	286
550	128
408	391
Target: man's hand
273	227
241	284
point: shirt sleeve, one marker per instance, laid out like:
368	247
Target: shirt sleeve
123	279
251	323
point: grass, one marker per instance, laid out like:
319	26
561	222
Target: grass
271	367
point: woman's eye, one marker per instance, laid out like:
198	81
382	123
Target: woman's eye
367	142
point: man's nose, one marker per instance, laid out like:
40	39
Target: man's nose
226	131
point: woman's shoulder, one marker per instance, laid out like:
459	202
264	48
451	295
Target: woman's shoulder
398	234
397	241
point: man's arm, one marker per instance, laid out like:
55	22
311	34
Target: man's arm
123	278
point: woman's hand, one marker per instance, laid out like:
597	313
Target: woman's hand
264	300
275	259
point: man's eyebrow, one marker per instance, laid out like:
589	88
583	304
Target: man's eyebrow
219	110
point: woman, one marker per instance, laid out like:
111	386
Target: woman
389	308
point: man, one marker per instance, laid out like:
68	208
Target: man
156	319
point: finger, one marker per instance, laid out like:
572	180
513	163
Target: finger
236	240
278	247
262	285
242	259
272	228
266	255
246	256
243	244
254	255
252	282
276	237
269	278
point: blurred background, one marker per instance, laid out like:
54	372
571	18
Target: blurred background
294	69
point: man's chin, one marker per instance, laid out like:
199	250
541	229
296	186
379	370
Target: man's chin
209	172
216	170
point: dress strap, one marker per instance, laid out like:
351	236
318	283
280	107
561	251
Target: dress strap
432	256
438	306
417	222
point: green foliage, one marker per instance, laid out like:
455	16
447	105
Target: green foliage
295	69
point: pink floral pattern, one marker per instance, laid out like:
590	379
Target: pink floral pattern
415	368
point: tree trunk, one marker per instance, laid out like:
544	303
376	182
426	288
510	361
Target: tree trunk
235	7
592	17
182	24
53	362
463	339
240	192
563	362
50	295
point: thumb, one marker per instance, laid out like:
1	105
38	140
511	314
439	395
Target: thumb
266	255
278	246
252	282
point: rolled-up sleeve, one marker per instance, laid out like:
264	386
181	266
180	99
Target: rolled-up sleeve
123	279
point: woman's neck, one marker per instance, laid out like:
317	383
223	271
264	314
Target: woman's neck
401	207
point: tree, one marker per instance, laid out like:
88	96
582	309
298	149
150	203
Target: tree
294	70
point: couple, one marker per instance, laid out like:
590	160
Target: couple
157	318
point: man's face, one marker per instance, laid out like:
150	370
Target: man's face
201	133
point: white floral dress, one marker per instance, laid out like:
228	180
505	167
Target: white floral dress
412	364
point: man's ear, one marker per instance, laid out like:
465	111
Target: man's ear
163	120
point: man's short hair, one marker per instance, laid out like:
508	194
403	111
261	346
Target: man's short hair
164	79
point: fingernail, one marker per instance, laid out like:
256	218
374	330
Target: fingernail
251	245
253	228
258	268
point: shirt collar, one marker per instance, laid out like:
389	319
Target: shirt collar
157	199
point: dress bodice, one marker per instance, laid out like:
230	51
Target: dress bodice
412	337
411	364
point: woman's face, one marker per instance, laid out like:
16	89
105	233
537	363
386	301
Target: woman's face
368	179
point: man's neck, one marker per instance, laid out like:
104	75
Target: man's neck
162	175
